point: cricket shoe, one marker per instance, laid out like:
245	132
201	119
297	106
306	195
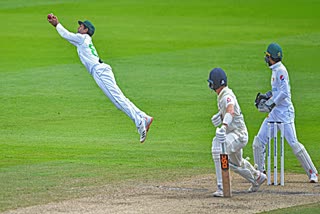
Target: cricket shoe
314	178
219	192
259	180
149	120
142	131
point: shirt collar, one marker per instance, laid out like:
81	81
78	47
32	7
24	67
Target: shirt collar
276	65
223	91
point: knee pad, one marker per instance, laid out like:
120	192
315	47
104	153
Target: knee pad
216	149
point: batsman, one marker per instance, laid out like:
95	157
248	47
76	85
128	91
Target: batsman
232	134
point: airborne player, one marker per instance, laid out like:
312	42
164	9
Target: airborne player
102	72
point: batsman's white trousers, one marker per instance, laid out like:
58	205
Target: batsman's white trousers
234	145
104	77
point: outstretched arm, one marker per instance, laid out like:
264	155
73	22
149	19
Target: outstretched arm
64	33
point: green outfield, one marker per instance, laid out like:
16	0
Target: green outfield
60	136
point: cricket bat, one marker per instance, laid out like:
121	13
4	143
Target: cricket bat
225	173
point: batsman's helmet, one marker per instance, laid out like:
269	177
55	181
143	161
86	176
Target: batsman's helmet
217	78
274	51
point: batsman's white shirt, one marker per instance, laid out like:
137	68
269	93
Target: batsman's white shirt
101	72
225	98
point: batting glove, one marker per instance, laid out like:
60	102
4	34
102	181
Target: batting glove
216	119
221	134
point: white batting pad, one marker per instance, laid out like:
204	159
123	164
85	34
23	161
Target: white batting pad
259	153
304	158
216	151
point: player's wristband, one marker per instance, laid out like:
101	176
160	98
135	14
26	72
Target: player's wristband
227	119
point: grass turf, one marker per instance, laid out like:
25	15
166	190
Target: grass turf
59	135
305	209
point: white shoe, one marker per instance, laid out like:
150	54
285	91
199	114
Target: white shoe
144	128
314	178
142	131
149	120
259	180
219	192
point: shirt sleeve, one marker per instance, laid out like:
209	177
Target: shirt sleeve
282	80
228	100
73	38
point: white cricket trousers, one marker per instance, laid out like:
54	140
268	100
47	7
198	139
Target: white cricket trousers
104	77
289	132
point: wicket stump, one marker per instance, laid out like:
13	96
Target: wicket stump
275	153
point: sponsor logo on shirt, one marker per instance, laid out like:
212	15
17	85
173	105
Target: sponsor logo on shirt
228	100
281	77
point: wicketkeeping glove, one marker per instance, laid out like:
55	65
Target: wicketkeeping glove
260	97
221	134
216	119
266	105
270	104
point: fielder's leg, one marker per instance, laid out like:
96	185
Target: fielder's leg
259	146
259	153
300	152
306	162
106	81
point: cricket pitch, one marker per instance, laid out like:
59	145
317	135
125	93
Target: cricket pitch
190	195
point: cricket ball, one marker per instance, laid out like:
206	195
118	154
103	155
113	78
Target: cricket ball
50	16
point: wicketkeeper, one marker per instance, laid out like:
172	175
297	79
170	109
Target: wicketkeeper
102	72
232	132
277	103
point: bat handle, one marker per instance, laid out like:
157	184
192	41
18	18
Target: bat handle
223	145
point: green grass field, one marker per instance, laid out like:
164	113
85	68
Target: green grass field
60	136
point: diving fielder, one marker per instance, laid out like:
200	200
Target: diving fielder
232	133
278	103
102	72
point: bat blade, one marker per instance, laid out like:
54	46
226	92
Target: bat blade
225	175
